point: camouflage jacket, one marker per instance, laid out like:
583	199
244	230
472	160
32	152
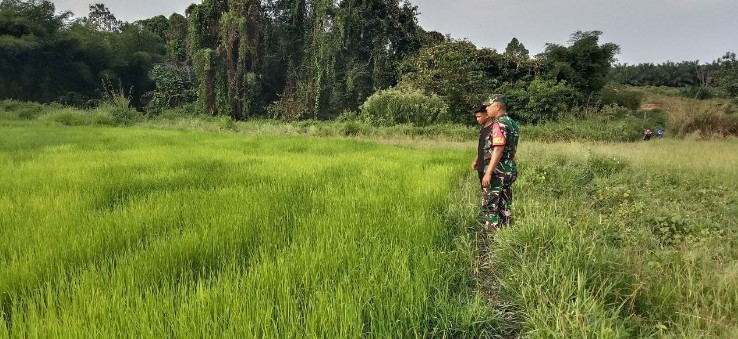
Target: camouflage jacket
504	132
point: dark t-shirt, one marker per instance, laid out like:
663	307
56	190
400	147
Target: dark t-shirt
483	136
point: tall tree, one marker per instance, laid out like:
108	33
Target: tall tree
158	25
240	49
726	74
204	35
517	50
451	70
376	35
102	20
584	64
176	39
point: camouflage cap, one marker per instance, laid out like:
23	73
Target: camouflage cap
501	98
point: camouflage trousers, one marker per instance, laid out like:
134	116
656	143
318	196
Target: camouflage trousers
496	200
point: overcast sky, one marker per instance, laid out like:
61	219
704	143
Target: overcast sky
646	30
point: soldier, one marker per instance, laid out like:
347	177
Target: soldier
500	171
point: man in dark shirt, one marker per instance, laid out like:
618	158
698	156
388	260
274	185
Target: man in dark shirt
479	162
501	170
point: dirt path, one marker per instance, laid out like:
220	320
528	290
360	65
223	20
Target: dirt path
487	284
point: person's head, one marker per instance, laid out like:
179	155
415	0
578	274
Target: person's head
496	105
481	115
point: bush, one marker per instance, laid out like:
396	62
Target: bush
288	109
101	118
69	117
540	101
621	96
14	109
183	111
698	92
394	106
351	128
347	116
614	111
119	115
454	70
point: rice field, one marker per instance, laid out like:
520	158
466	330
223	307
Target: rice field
144	232
123	232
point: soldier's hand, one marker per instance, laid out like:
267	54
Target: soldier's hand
487	180
474	165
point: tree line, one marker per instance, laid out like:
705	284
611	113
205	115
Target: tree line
45	56
286	59
720	75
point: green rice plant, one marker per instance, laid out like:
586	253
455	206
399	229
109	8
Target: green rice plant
266	230
140	232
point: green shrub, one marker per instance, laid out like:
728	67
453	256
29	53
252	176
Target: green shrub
101	118
652	119
351	128
183	111
540	101
395	106
614	111
120	115
69	117
347	116
621	96
14	109
227	123
288	109
29	113
698	92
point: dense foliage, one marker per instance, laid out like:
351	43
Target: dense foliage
584	64
45	56
312	59
291	59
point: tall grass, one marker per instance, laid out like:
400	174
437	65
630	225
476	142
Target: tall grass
111	232
616	241
703	119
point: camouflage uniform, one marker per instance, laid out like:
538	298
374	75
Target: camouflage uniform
497	198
